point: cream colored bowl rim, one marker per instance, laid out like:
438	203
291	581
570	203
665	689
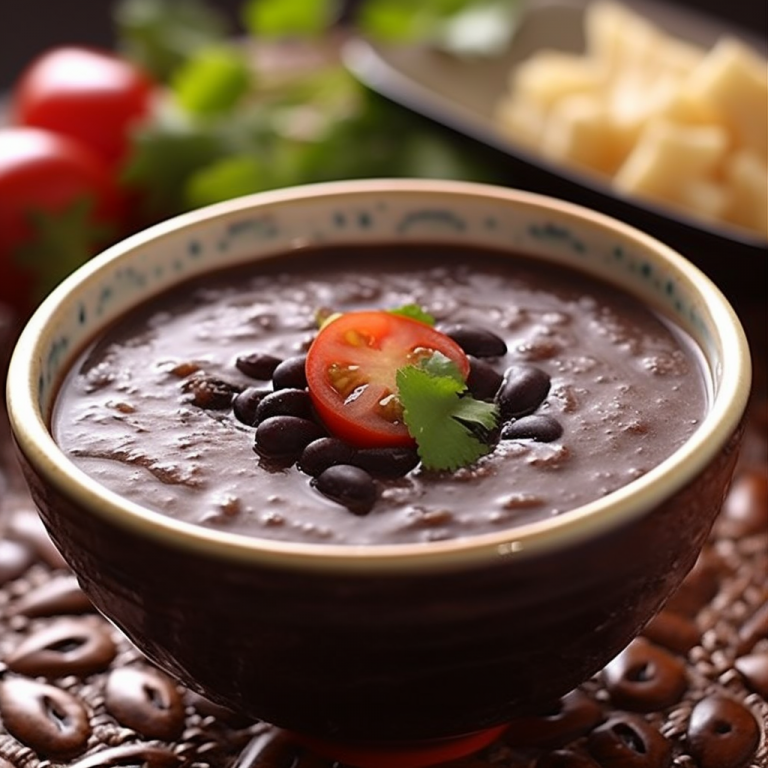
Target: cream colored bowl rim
620	507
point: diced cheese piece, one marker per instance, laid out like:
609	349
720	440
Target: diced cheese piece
547	76
735	80
522	121
660	116
690	109
668	155
619	37
679	56
577	132
635	97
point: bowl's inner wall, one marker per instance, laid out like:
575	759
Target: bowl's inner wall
171	253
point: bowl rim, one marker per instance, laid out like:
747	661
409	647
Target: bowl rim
34	440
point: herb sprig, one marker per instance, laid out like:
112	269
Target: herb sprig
447	423
230	123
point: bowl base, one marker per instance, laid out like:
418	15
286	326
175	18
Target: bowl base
403	754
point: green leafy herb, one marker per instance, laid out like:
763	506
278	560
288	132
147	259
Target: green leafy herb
287	17
236	124
405	20
415	312
161	35
213	81
62	242
166	153
441	416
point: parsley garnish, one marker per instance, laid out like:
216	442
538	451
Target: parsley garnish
415	312
441	416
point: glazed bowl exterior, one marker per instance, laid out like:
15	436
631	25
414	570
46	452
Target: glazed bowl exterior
383	642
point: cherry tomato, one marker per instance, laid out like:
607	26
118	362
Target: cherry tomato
351	373
45	173
90	95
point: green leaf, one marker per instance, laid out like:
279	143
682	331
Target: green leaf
440	365
476	413
406	20
230	177
164	156
415	312
61	242
287	18
161	35
441	418
213	81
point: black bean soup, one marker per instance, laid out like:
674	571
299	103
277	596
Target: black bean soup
195	405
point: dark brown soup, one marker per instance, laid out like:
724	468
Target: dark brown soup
147	410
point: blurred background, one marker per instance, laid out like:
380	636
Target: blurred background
221	119
30	26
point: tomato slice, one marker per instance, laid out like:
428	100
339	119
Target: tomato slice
351	373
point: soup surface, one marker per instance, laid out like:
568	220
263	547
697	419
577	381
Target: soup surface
625	391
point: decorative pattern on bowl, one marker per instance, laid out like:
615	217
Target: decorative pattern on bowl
233	234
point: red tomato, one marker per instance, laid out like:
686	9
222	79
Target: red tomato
351	373
46	173
87	94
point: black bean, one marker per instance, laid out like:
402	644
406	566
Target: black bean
522	391
349	486
323	453
210	393
476	341
258	365
245	404
290	374
483	381
386	462
539	427
285	436
285	402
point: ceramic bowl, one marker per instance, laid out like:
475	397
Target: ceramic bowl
399	642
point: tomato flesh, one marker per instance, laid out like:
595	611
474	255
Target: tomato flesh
351	371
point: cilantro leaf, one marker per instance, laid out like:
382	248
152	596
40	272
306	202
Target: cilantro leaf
438	364
415	312
441	417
